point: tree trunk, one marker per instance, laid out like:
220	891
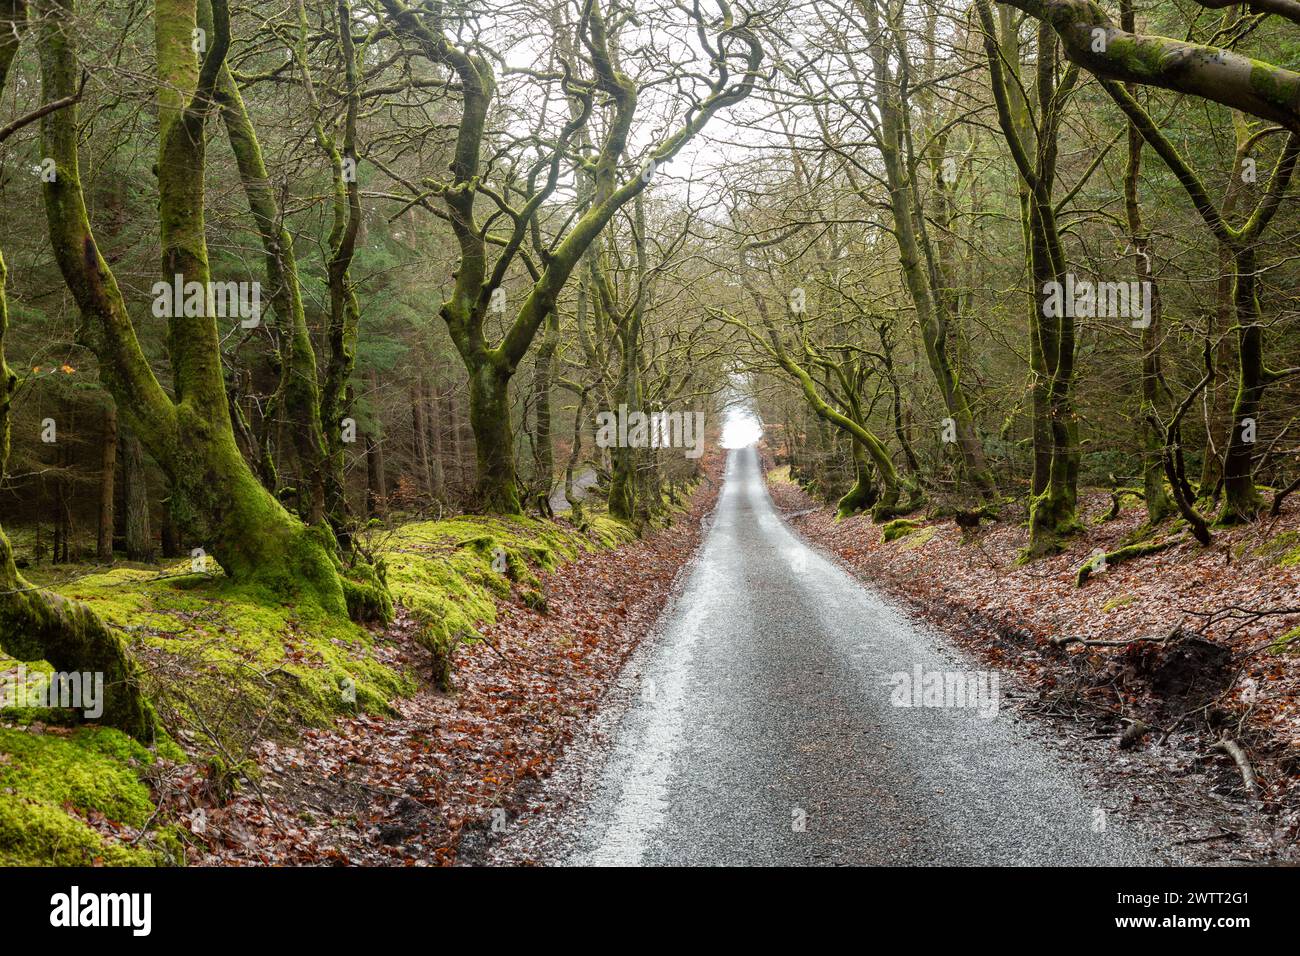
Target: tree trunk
1218	420
1053	509
544	375
1158	504
1218	408
297	402
135	500
376	488
433	420
497	490
345	312
107	469
172	544
216	499
623	491
575	456
420	440
1242	500
863	494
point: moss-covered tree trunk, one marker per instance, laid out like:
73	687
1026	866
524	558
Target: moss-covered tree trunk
1053	507
1033	145
1218	408
1158	503
216	499
1241	499
543	379
497	489
864	494
625	493
921	264
36	624
345	311
623	490
1220	75
575	455
297	403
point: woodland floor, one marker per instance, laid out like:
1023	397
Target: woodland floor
430	778
409	789
1225	674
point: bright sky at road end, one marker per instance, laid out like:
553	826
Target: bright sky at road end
741	428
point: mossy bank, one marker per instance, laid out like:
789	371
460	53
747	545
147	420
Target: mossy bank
226	664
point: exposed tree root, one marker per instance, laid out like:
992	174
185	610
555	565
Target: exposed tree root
1119	556
1234	750
39	625
1068	639
1117	497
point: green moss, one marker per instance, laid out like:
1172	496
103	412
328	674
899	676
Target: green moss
1272	84
893	530
297	659
233	636
1282	550
50	783
608	532
918	538
1287	643
366	593
1052	519
1127	553
251	649
35	680
449	574
1114	604
88	769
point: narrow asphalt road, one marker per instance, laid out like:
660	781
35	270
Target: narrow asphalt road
767	730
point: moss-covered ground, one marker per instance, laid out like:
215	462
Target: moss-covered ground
62	792
448	574
224	663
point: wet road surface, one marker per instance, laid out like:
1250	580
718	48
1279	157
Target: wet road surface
768	728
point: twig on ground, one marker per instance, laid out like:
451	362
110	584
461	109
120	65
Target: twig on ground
1234	750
